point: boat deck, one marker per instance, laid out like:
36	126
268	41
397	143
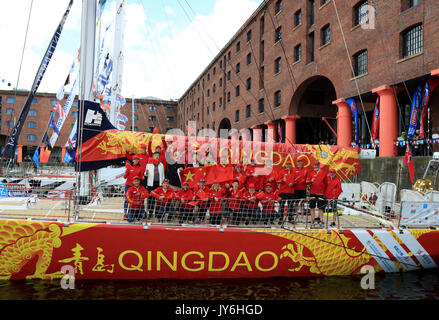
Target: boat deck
110	210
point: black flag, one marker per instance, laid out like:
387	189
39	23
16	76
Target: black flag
13	138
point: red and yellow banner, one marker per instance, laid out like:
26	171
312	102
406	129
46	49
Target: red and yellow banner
113	144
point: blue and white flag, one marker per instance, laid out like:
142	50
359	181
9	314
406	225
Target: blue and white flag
414	114
353	107
52	125
121	117
36	157
120	99
67	157
66	109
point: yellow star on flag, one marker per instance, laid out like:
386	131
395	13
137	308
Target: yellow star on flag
189	176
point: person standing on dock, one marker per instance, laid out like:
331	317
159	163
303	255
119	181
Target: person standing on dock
332	192
317	181
136	196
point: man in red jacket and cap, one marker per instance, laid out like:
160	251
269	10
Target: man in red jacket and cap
268	200
333	190
184	197
136	196
164	195
250	207
317	181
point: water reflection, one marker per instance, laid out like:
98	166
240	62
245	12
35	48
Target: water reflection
413	285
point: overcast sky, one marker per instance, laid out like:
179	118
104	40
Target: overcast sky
165	48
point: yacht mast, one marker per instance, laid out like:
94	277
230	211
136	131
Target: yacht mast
86	72
116	83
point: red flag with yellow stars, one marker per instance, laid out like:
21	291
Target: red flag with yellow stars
193	175
219	173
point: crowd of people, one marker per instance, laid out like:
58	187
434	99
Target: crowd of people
247	198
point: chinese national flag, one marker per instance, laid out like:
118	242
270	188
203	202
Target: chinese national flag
219	173
408	160
193	175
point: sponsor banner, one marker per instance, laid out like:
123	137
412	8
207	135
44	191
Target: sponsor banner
419	213
375	250
101	251
12	190
15	133
396	249
416	248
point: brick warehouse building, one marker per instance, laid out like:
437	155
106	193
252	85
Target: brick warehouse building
148	114
289	64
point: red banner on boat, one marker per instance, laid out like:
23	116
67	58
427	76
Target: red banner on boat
51	250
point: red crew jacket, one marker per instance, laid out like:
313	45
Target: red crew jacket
235	198
285	178
187	196
333	188
300	175
258	180
267	200
168	195
143	158
271	178
251	200
131	172
136	197
202	196
216	205
318	186
162	158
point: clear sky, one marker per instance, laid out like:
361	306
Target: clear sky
167	43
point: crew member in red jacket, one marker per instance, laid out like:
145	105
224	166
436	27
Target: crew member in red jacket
285	178
143	157
251	176
317	181
268	200
184	197
216	195
136	196
164	196
333	190
250	206
131	171
234	197
161	149
201	197
300	174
